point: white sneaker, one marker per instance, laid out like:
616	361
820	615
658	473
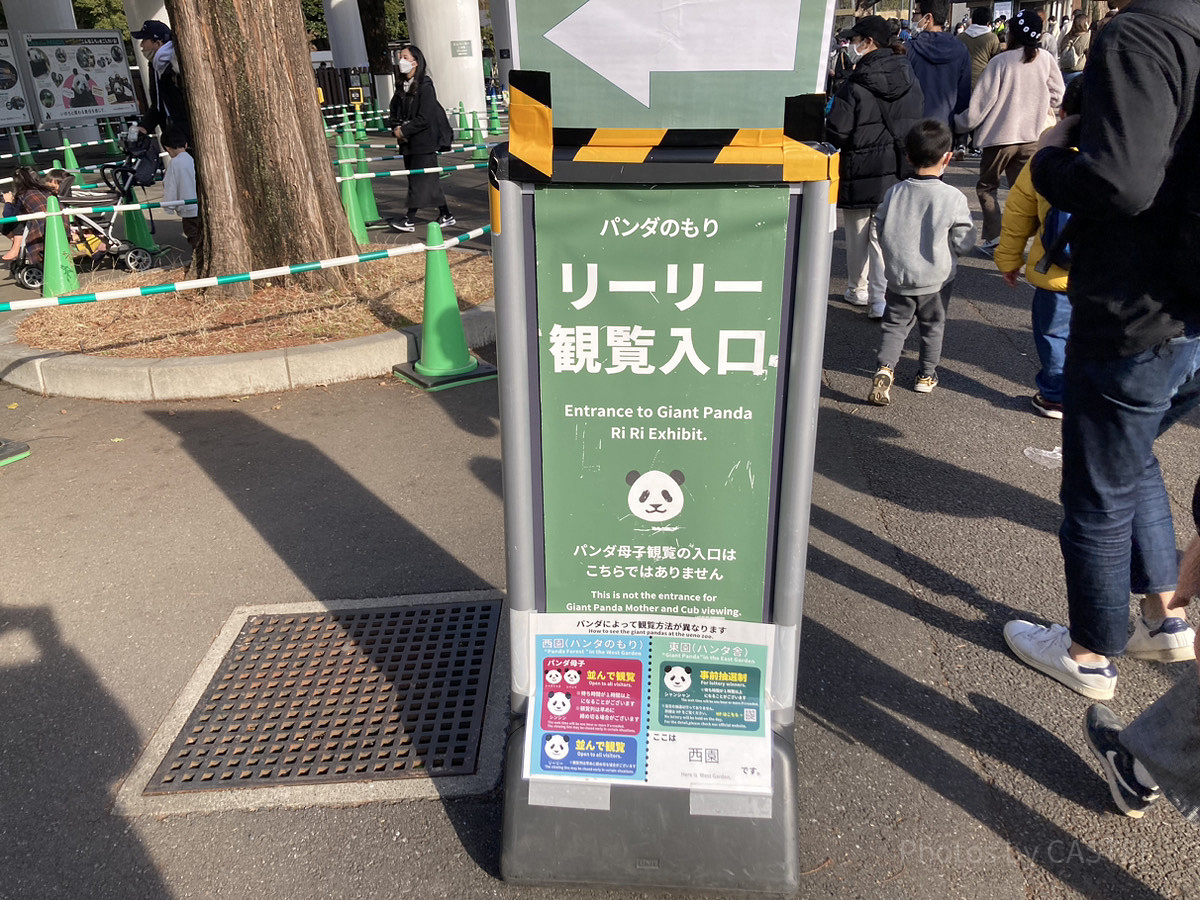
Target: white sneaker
1171	641
854	299
876	310
1046	649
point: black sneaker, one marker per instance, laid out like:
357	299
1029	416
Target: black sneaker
446	220
403	224
1047	408
1102	728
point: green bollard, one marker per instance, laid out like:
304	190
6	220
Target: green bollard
58	269
354	217
478	138
70	163
23	146
366	189
114	149
443	342
137	231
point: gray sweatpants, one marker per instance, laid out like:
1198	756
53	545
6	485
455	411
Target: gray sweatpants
902	312
1166	738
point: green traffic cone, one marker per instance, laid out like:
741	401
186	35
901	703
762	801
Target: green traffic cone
444	345
137	231
366	190
354	217
11	451
23	147
462	122
493	117
58	270
377	111
69	161
110	136
477	138
360	126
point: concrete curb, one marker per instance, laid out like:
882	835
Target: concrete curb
56	373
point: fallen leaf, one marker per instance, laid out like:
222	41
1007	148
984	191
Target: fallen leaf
276	407
116	440
62	412
13	405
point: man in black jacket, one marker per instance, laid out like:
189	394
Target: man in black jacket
1135	341
168	104
871	115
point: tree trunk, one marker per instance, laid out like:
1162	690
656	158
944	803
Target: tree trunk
267	191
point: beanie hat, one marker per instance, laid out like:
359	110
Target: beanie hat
1026	29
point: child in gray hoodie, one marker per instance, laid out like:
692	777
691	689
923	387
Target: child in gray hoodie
924	225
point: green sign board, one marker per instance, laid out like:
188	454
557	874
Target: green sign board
460	48
663	63
659	342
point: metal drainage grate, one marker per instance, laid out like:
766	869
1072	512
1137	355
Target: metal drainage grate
354	695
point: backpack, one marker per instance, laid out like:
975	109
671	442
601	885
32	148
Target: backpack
1056	241
442	131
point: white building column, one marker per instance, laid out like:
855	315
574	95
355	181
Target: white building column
345	34
447	31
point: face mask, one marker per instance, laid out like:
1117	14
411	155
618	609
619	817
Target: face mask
406	66
918	26
853	53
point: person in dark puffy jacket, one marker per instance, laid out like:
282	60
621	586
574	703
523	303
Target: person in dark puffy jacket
871	114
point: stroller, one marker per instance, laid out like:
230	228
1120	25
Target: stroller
93	236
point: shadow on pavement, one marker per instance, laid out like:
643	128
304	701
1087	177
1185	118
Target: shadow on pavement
64	744
917	482
866	702
340	539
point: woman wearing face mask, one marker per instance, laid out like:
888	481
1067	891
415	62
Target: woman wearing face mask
868	121
421	128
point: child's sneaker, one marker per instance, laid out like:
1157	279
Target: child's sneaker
402	224
925	384
881	387
1171	640
1102	730
854	298
877	310
446	220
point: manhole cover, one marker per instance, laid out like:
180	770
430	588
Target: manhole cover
352	695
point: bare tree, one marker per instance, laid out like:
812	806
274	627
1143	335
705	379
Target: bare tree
265	183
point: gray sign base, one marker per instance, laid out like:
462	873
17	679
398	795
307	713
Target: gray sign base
649	837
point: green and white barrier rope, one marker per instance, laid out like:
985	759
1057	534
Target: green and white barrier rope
277	272
58	149
454	149
88	210
360	175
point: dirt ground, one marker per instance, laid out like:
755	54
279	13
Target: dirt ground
384	294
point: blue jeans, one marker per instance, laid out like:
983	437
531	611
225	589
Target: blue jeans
1051	327
1117	535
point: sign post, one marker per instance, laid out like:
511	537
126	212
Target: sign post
661	280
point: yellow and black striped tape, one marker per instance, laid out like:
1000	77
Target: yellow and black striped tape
539	152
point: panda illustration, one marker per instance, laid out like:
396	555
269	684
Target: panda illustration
557	746
678	678
553	676
571	677
655	496
558	703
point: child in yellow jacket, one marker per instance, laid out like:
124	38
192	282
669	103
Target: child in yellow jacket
1025	217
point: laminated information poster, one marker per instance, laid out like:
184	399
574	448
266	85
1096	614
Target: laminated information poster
14	109
659	339
657	700
79	75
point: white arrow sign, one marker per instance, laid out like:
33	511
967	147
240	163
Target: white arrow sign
625	40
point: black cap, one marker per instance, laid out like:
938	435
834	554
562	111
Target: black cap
874	27
155	30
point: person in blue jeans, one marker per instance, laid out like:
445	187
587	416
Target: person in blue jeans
1028	214
1134	347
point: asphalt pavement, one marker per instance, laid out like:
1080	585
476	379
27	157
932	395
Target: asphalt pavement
931	763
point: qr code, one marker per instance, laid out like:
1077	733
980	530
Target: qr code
750	714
